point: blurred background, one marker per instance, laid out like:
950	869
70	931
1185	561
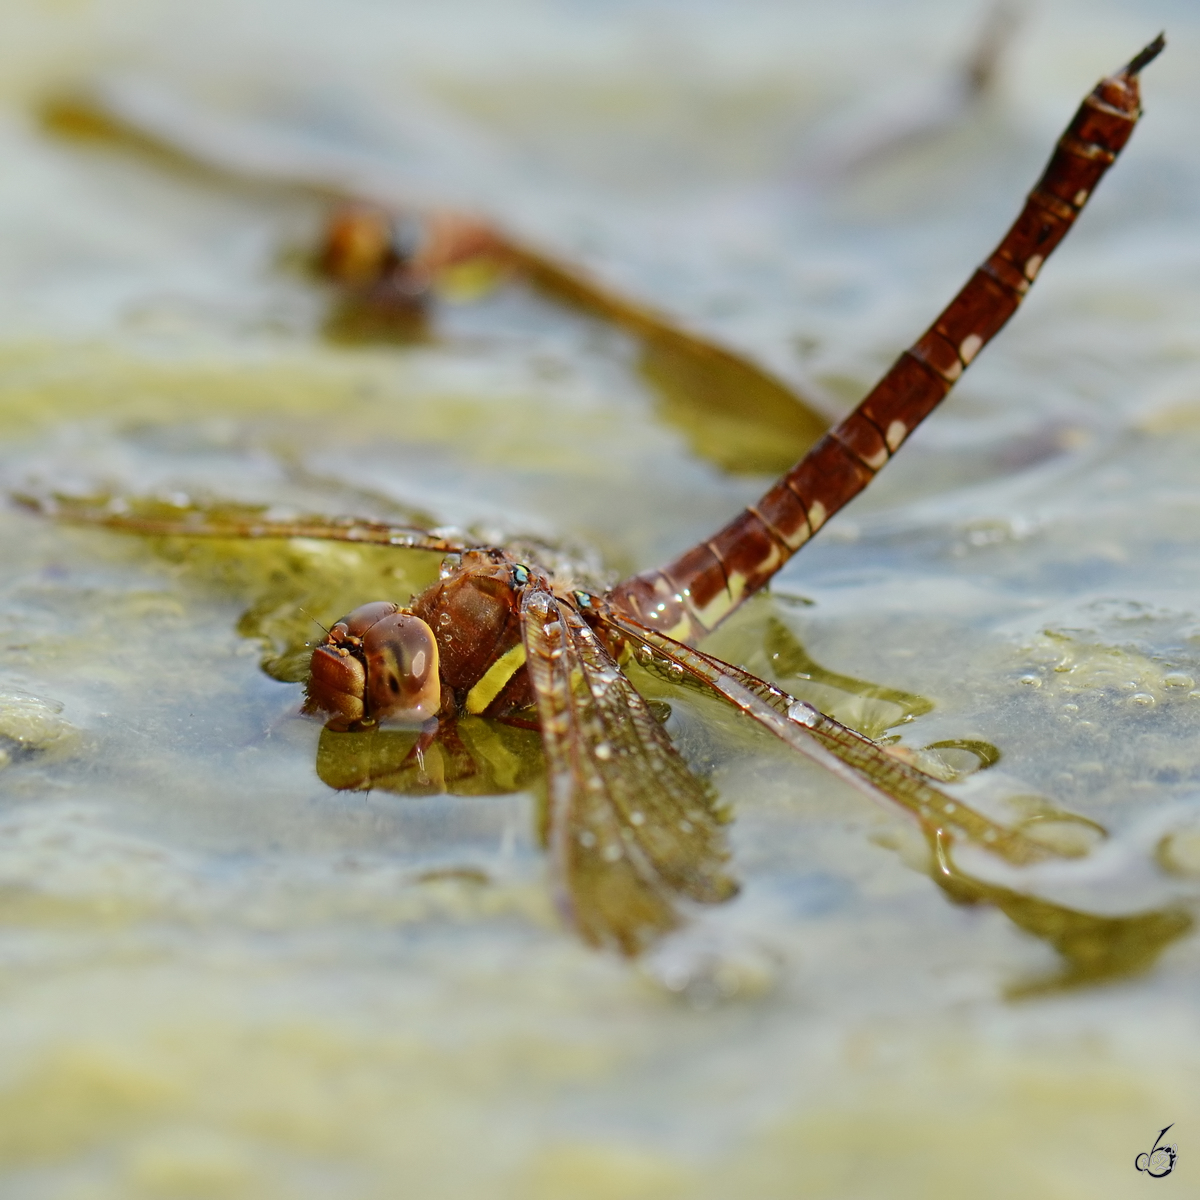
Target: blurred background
220	977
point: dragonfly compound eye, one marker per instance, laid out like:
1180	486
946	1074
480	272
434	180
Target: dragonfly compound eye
337	681
377	662
356	623
401	658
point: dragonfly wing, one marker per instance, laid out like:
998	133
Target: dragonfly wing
632	832
850	756
156	518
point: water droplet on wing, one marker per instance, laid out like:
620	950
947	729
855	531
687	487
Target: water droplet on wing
803	714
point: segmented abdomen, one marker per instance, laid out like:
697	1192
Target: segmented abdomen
688	597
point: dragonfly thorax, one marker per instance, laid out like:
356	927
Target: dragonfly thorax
474	612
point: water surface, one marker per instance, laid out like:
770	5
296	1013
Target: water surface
219	977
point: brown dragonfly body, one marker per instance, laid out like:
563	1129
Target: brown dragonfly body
691	595
472	613
631	830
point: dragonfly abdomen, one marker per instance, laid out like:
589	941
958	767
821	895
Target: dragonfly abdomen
691	595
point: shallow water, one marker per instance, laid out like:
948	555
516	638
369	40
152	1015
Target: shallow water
219	977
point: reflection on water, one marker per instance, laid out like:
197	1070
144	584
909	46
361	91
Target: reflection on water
876	708
473	756
1094	949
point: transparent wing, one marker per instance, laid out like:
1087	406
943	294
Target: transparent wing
1093	948
631	831
848	755
158	518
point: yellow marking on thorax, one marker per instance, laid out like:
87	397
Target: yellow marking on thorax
494	679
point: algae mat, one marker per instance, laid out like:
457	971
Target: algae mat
221	978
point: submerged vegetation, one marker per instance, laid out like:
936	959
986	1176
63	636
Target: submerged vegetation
247	954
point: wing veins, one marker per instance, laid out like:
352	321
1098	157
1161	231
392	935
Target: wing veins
377	533
619	870
682	801
851	757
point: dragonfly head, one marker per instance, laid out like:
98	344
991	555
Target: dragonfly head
358	246
377	663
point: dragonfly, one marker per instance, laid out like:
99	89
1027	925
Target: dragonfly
635	838
388	259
